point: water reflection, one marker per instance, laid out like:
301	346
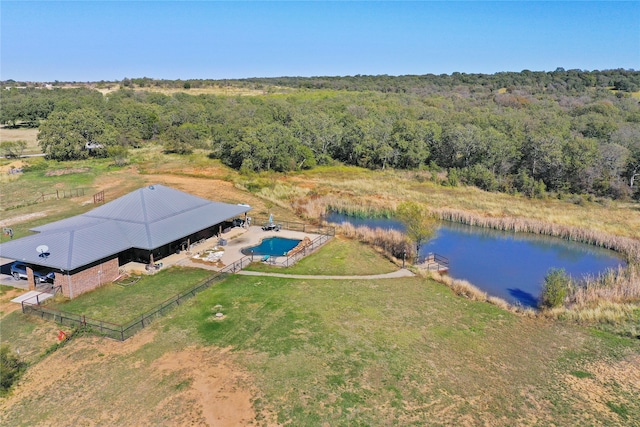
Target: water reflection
505	264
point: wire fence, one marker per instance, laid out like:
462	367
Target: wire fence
122	332
42	197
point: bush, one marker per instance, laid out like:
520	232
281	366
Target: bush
554	290
11	367
36	164
481	177
119	154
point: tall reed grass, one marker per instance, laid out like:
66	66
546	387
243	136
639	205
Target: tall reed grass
621	285
629	247
612	297
394	243
467	290
318	207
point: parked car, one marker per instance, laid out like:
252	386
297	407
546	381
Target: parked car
19	271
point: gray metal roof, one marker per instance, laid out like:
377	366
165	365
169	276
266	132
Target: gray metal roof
147	218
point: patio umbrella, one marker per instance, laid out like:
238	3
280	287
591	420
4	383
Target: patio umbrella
270	218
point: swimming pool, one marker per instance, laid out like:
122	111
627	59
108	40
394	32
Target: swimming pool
274	246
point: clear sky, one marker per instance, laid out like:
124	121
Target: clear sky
91	41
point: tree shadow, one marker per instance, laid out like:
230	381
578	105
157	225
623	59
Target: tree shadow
524	298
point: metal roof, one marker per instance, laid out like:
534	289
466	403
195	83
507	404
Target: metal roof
147	218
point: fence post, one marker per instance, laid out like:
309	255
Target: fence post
142	321
121	333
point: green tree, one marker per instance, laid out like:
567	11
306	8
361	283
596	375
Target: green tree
555	287
13	148
75	135
420	223
184	138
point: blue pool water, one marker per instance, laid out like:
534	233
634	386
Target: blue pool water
275	246
508	265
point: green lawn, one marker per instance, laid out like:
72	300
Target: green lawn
347	353
401	352
339	257
119	304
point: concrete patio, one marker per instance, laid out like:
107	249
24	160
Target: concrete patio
236	238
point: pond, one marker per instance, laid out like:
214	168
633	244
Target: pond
508	265
275	246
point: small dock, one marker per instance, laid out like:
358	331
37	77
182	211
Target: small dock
434	262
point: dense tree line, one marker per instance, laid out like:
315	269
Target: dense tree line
565	131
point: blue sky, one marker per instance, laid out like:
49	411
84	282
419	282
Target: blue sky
90	41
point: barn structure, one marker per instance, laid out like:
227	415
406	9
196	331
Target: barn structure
145	225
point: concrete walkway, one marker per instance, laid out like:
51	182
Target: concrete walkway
403	272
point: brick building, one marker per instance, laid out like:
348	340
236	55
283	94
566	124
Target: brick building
145	225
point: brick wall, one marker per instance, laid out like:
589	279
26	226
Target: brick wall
88	279
31	279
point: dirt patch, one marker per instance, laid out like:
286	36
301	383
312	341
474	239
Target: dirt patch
222	393
600	384
67	171
21	218
15	164
198	386
6	306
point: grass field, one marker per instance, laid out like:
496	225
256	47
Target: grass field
339	257
22	134
390	352
315	352
119	304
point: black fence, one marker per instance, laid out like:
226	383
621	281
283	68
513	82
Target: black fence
433	262
122	332
114	330
288	260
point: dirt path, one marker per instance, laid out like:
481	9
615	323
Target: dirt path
21	218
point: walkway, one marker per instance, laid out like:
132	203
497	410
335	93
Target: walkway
403	272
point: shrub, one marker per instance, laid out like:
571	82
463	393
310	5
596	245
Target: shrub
119	154
11	367
453	178
554	290
481	177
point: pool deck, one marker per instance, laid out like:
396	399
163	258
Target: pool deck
237	238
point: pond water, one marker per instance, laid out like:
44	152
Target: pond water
508	265
275	246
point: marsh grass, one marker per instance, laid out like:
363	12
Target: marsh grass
393	243
624	245
392	187
467	290
317	207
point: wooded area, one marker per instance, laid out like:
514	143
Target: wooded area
529	132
